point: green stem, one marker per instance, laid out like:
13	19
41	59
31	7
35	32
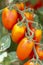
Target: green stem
35	53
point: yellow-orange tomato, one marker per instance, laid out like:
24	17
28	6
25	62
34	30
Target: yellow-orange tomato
9	18
38	35
20	5
39	52
24	48
18	32
29	15
30	63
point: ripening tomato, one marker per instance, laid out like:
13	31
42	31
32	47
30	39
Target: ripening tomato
24	48
20	6
30	63
28	15
39	52
28	4
38	35
18	32
9	18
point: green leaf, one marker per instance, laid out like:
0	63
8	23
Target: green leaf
40	14
13	57
5	42
6	61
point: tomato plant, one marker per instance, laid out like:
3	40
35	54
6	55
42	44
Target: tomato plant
20	32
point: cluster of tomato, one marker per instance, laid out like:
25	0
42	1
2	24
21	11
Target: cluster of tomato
18	29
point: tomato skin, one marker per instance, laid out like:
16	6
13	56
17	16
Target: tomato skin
28	15
39	52
31	55
9	18
24	48
18	32
20	6
38	5
29	63
38	35
19	16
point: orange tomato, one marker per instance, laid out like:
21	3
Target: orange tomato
24	48
18	32
9	18
39	52
20	6
28	15
30	63
38	35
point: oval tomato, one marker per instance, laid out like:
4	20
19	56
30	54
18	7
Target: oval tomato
18	32
24	48
38	35
20	6
32	29
9	18
30	63
39	52
28	15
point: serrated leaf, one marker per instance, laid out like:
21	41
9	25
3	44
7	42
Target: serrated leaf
13	57
5	42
